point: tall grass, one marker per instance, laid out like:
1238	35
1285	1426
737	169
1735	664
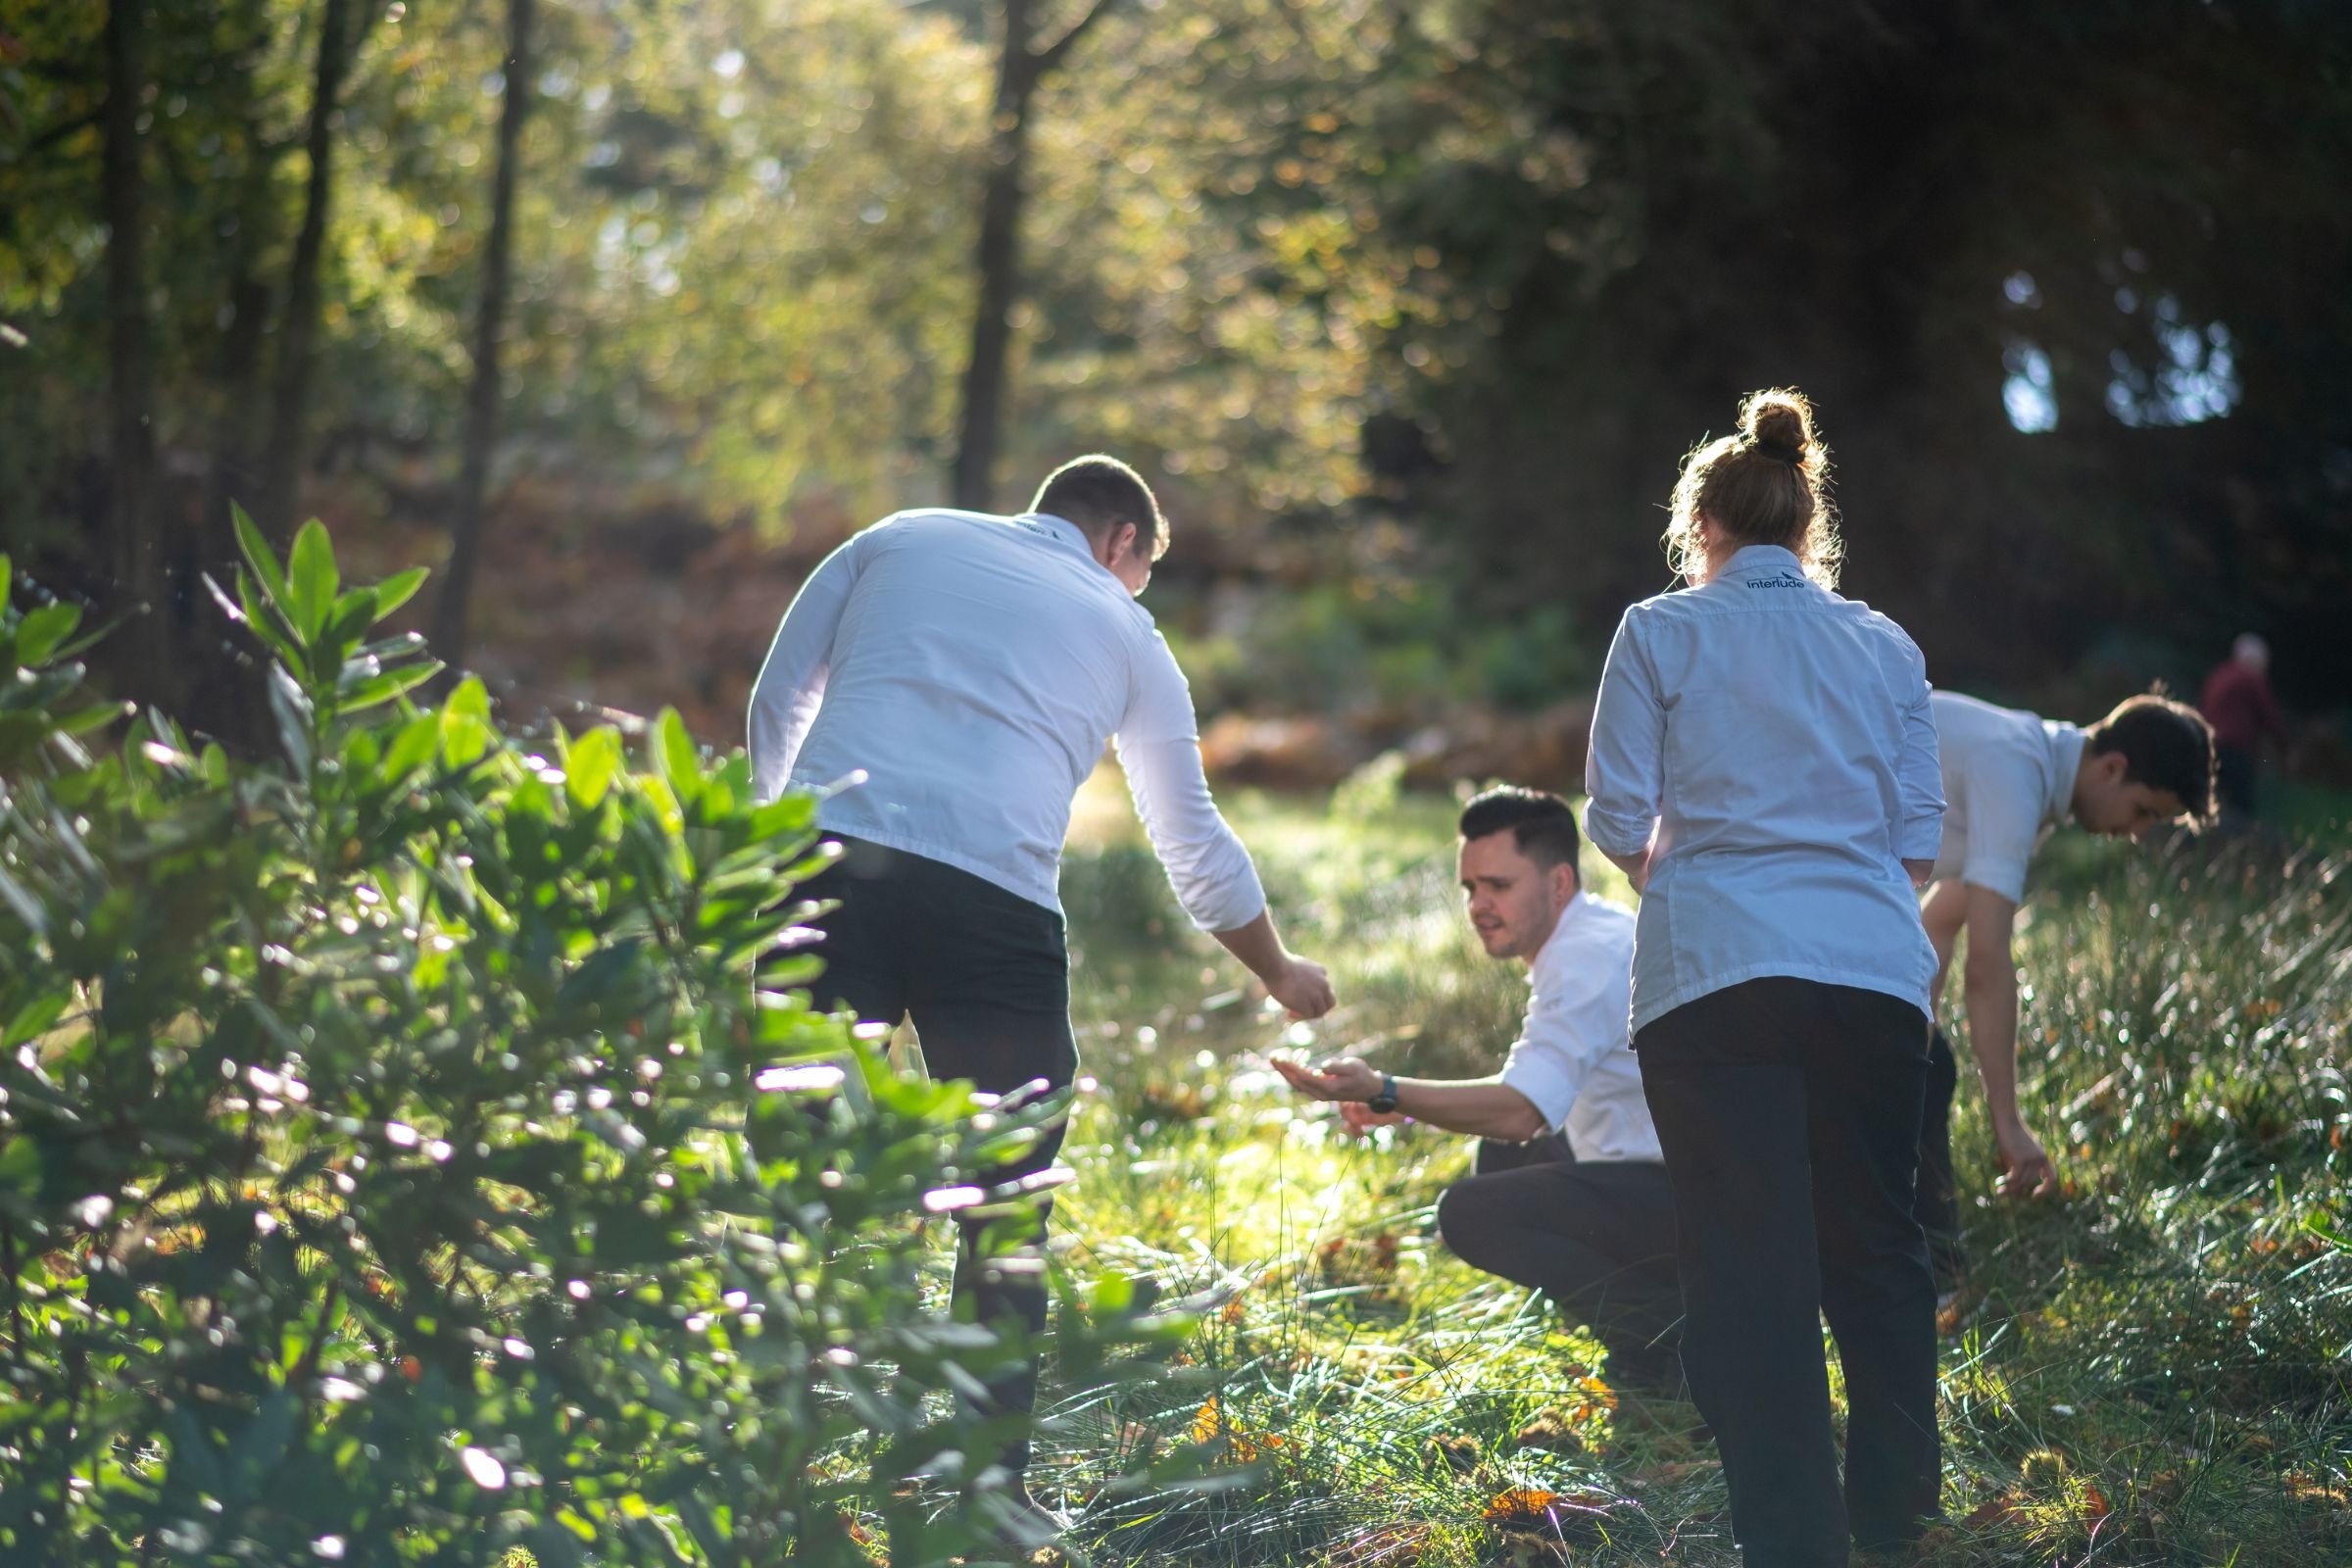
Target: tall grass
2155	1366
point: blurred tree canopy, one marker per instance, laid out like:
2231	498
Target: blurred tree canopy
1424	289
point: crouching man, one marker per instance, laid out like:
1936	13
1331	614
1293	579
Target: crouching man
1569	1195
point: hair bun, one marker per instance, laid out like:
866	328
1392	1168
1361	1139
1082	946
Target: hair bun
1780	421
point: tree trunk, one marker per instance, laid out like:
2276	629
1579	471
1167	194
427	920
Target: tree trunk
246	303
136	562
282	485
482	403
981	428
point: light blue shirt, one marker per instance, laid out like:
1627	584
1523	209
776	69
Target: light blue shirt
971	666
1777	740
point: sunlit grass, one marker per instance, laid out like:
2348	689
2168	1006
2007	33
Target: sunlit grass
2154	1369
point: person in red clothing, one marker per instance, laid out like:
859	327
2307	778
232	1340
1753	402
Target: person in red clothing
2239	703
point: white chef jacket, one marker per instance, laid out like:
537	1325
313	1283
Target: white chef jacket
971	666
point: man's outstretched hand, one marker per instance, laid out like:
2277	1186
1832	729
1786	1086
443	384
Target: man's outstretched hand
1303	988
2025	1167
1342	1078
1345	1079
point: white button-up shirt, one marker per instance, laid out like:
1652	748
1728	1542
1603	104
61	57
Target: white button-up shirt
1570	1059
973	668
2008	778
1777	739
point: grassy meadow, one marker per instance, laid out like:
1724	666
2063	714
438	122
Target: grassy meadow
2156	1368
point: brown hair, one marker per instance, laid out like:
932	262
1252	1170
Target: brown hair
1767	485
1097	492
2166	744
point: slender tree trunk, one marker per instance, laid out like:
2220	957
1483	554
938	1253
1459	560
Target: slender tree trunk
289	393
998	261
980	426
238	376
481	404
131	519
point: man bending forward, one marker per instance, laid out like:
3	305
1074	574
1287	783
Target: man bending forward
971	666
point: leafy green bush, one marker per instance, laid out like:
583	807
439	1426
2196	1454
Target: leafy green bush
398	1163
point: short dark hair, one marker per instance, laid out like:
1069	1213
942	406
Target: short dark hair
1096	492
1539	823
2166	744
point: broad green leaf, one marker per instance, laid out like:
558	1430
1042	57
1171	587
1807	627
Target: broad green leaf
465	733
295	717
589	768
268	618
35	1017
383	688
675	756
259	556
96	716
347	621
396	590
43	629
411	747
310	580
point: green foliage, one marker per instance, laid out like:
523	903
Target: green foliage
1392	642
398	1165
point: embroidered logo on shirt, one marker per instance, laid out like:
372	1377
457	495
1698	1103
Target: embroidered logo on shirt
1785	580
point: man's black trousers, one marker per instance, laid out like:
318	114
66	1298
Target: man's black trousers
1789	1114
1596	1237
985	975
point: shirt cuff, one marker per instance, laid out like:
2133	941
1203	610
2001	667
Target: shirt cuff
1614	832
1548	1087
2009	881
1921	838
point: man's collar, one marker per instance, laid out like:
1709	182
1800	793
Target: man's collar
1061	528
1571	913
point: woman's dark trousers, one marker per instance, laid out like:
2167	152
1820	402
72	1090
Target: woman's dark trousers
1789	1114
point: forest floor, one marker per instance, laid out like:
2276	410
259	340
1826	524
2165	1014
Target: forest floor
2152	1366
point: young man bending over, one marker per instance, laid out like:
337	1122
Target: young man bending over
2008	778
1568	1195
970	666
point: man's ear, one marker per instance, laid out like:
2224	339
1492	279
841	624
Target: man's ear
1564	882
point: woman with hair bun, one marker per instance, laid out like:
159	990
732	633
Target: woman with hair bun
1763	766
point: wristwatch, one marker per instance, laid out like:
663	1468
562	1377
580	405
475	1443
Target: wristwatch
1385	1102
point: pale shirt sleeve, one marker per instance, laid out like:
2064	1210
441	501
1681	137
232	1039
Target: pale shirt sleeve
792	682
1625	762
1919	775
1158	747
2004	822
1576	1013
